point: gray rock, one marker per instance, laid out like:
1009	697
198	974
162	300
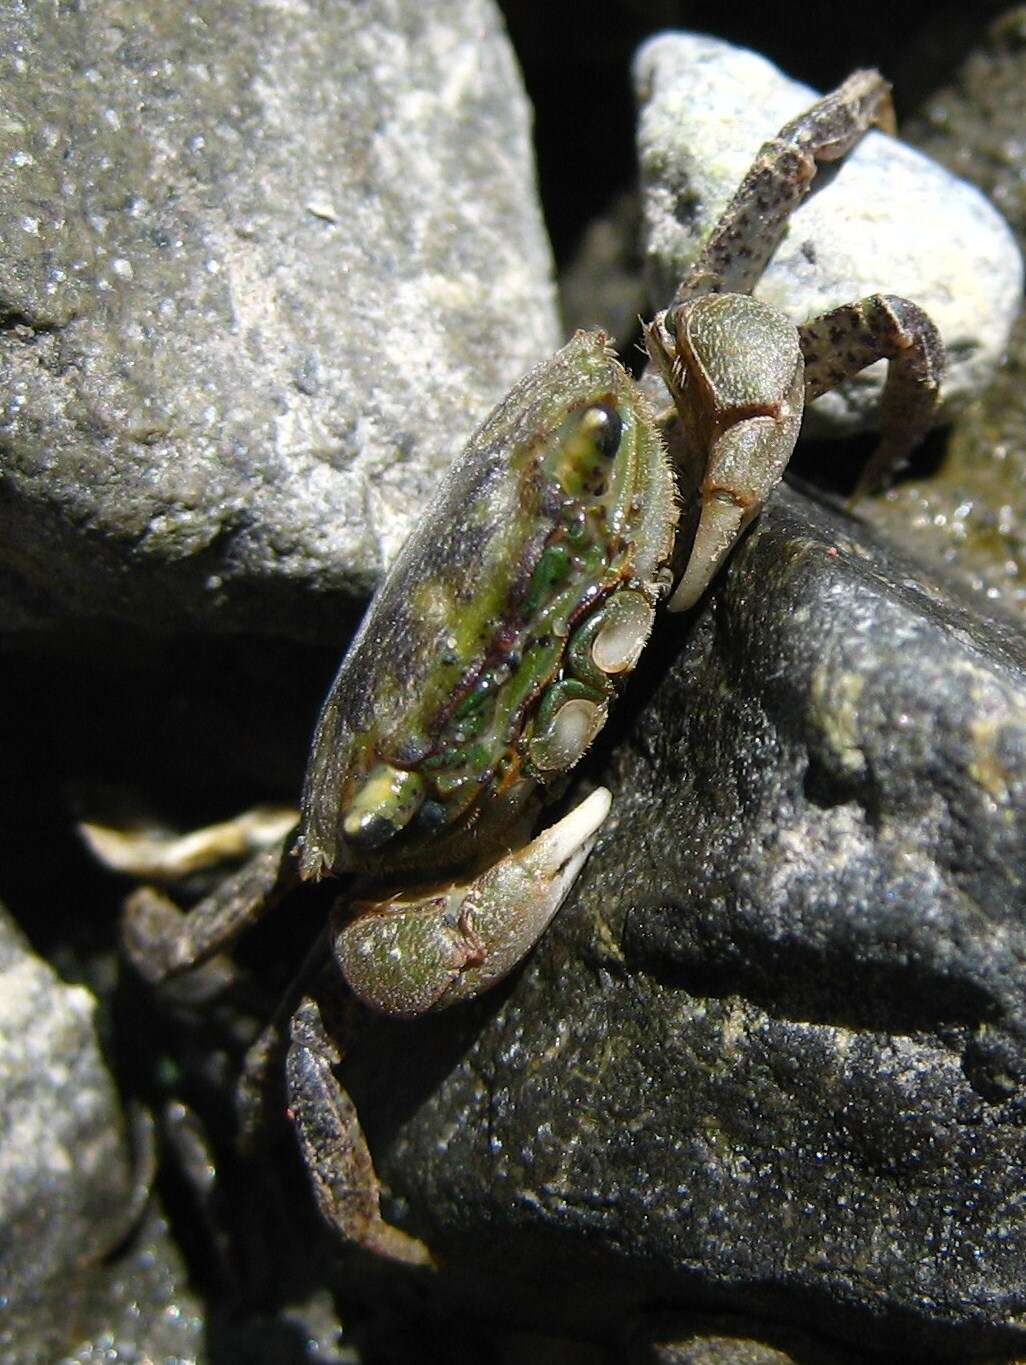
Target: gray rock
260	276
86	1273
771	1057
67	1188
888	221
974	123
601	285
721	1341
138	1308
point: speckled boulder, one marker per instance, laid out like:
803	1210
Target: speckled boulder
66	1171
889	221
261	273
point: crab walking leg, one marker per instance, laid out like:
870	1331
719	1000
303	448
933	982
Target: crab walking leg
452	947
158	855
333	1145
258	1090
162	941
407	956
751	226
847	339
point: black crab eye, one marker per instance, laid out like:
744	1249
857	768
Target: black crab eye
604	427
670	323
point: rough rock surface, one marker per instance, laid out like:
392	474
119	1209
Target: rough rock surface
972	511
89	1269
889	221
771	1057
66	1178
262	270
976	126
138	1307
722	1341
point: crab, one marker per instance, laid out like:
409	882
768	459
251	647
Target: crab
489	658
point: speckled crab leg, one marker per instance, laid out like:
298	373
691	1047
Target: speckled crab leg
847	339
162	941
738	372
334	1148
753	223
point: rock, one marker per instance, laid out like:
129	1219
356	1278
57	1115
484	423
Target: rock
139	1307
976	126
601	285
971	512
771	1056
89	1270
723	1342
67	1188
260	277
888	221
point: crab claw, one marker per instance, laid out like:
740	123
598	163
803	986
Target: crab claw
747	462
410	955
735	371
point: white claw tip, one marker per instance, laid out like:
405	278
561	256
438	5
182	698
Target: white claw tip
591	813
571	837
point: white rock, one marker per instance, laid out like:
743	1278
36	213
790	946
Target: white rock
888	220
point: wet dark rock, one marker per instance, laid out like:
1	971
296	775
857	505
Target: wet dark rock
261	273
771	1056
976	125
727	1341
971	511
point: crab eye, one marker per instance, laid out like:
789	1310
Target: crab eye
603	426
383	805
670	323
586	445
